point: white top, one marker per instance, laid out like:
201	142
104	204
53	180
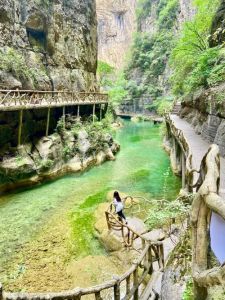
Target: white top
118	205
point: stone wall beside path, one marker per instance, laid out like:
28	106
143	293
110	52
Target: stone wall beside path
205	111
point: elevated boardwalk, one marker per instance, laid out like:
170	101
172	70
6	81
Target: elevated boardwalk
21	100
198	146
12	100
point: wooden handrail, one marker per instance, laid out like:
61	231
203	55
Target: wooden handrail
48	92
184	145
206	201
77	293
151	252
30	99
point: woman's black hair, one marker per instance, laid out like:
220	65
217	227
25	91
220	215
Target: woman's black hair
117	196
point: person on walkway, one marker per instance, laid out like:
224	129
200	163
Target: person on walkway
119	206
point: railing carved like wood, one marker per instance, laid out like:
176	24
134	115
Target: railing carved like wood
178	135
123	287
207	201
132	278
29	99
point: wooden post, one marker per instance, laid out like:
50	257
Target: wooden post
20	126
100	112
161	256
1	292
143	244
174	147
107	219
93	113
183	166
78	111
48	120
127	285
98	296
117	291
135	283
64	117
150	260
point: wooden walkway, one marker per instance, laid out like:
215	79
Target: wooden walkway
11	100
198	146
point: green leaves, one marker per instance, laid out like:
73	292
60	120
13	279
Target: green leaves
118	92
192	61
13	62
167	15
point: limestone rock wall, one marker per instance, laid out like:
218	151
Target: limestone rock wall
116	25
187	11
205	111
57	40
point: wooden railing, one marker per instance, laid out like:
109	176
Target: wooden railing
206	201
178	135
129	235
124	287
29	99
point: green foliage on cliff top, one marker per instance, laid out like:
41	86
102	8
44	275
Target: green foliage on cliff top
194	63
13	62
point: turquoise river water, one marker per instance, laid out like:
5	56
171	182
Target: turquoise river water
141	167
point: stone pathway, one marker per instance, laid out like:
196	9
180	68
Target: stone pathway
198	146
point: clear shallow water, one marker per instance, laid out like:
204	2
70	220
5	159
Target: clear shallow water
142	167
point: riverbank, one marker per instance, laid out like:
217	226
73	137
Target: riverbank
48	231
73	148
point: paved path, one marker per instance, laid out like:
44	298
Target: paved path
198	147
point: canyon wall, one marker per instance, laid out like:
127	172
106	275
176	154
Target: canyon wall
116	25
204	109
48	45
148	70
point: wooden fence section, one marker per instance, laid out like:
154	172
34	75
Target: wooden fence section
184	156
129	235
206	201
131	282
11	100
123	287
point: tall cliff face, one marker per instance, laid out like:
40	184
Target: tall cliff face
187	11
116	25
55	43
204	107
159	24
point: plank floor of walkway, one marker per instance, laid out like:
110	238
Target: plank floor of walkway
198	147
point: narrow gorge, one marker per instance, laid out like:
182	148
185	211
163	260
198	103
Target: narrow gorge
112	150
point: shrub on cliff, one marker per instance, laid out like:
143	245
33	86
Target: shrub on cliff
192	60
13	62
